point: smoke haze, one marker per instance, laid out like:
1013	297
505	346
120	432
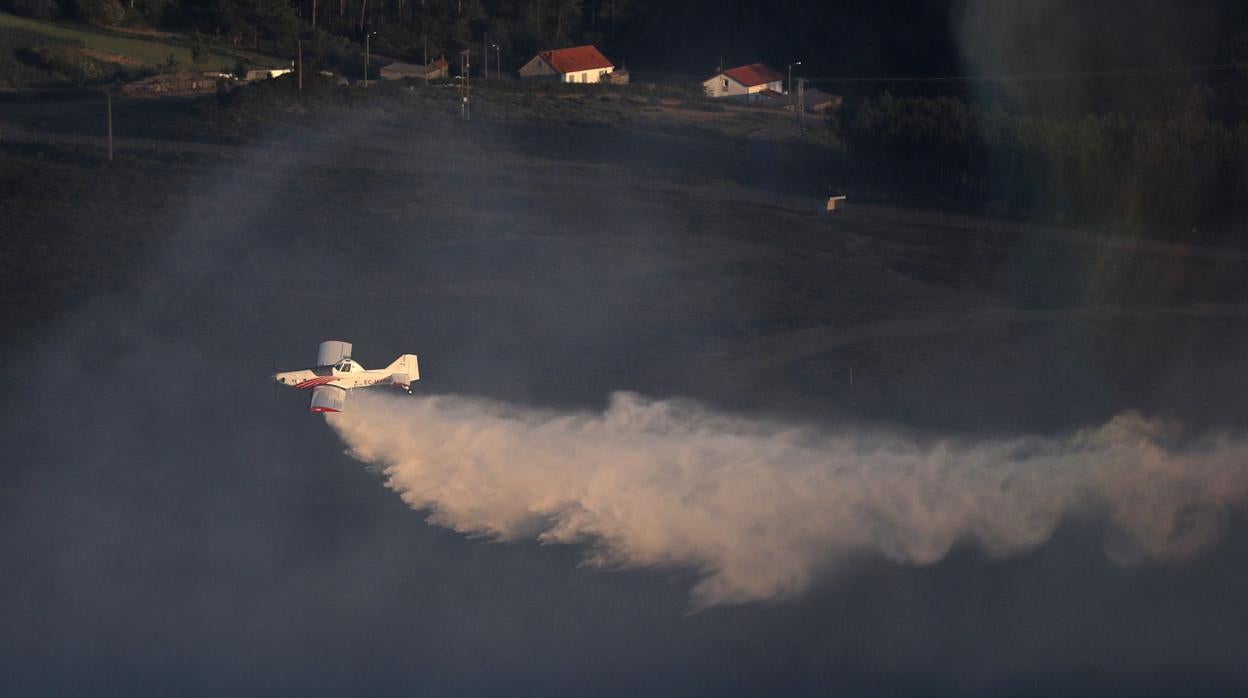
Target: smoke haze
168	525
759	508
1062	36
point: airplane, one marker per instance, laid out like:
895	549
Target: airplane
336	373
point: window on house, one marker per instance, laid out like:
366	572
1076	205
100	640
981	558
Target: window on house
725	83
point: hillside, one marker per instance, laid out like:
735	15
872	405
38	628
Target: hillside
35	52
711	241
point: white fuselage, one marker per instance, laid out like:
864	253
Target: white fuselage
345	375
336	374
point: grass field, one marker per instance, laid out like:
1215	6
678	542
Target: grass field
148	51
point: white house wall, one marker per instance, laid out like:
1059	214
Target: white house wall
536	67
594	75
724	86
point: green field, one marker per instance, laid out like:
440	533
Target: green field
148	51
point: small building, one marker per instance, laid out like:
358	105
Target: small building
747	83
820	102
174	84
576	64
771	98
814	101
399	70
265	73
616	77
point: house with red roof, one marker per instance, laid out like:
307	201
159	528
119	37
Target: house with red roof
576	64
747	83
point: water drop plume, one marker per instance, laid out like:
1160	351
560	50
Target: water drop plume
759	508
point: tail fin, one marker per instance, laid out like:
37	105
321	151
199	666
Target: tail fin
404	370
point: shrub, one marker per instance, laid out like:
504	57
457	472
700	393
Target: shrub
199	49
39	9
19	64
702	106
72	63
104	13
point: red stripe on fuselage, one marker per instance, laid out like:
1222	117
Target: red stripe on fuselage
313	382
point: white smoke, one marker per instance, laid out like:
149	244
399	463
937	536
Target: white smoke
758	508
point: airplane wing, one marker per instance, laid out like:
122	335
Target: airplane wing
331	352
327	398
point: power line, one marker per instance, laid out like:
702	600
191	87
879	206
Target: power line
1015	77
1021	77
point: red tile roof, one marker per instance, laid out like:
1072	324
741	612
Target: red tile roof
570	60
753	74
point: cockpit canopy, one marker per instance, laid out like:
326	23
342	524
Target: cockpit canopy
344	366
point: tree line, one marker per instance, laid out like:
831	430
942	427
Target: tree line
687	36
408	29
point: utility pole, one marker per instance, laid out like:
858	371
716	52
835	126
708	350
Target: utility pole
465	88
498	61
790	90
366	40
108	96
801	104
485	55
300	71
